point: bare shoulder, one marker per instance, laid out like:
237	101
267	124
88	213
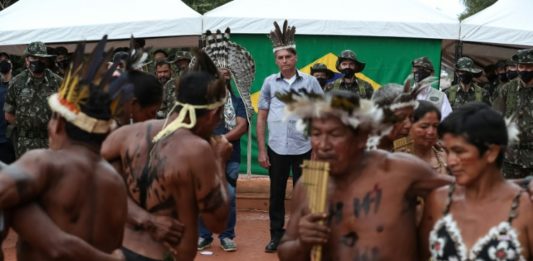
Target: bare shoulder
438	198
399	162
109	174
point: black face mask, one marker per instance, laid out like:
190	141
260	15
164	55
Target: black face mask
37	66
466	78
511	75
5	67
503	77
322	81
348	72
420	75
526	76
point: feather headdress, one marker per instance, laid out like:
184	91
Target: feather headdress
282	38
226	54
84	97
348	107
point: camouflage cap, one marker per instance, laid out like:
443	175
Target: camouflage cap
320	67
501	63
466	64
350	55
524	56
183	55
36	49
423	62
510	62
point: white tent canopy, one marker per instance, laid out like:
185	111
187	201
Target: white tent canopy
405	18
54	21
504	22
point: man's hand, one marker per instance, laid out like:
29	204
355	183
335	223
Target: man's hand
165	229
222	147
263	159
312	231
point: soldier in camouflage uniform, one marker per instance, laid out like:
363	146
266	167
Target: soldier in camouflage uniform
348	65
26	102
466	90
518	97
422	71
511	74
169	98
183	58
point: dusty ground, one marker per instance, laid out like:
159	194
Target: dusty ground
252	236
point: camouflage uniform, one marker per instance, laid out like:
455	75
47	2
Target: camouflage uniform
169	97
27	99
358	86
181	55
457	95
518	99
474	93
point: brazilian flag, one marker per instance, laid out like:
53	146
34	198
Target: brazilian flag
388	60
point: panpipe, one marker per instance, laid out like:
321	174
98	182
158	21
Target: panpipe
404	144
315	179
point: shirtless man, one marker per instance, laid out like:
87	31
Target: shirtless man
179	172
371	194
78	190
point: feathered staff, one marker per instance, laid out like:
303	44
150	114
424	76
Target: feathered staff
229	55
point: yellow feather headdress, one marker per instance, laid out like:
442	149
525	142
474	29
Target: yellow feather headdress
85	90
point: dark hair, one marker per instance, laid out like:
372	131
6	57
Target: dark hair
161	63
60	50
199	88
480	125
160	51
98	106
423	108
146	88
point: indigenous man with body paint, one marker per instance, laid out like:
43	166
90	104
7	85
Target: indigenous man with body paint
66	202
176	169
372	193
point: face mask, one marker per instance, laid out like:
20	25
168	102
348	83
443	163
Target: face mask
503	77
37	66
5	67
526	76
512	74
348	72
322	81
420	75
466	78
492	77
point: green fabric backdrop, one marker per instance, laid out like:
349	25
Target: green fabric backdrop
387	60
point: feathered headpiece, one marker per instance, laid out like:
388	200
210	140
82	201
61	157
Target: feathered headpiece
392	97
282	39
348	107
85	92
202	64
229	55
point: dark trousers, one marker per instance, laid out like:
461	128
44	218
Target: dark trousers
7	152
280	168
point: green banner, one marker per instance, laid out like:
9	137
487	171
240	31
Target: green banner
388	60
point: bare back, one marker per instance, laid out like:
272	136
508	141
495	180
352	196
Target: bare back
372	217
170	177
84	196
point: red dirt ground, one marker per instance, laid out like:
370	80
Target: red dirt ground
252	236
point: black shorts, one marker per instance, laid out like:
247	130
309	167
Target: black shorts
132	256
